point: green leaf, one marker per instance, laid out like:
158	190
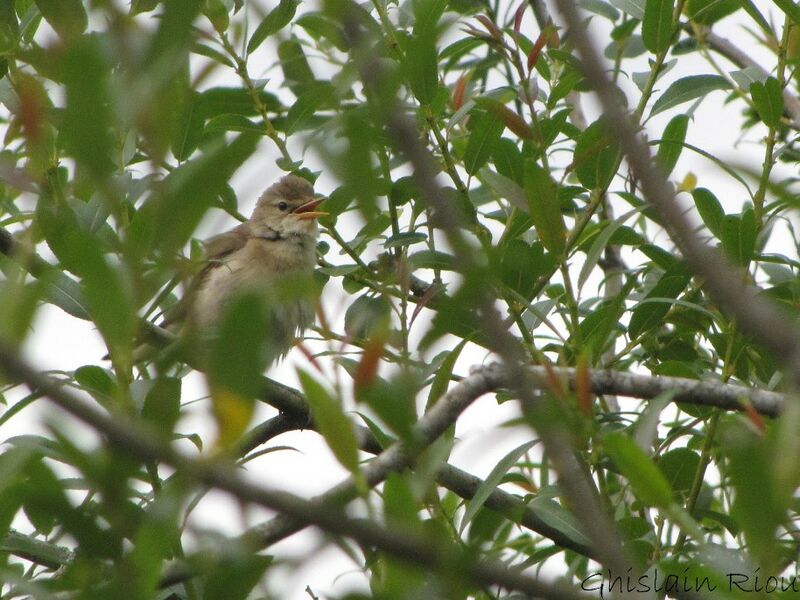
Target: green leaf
545	209
519	265
790	9
162	404
189	126
505	188
405	239
296	71
596	156
710	210
87	117
65	293
314	97
491	482
66	17
235	577
368	316
9	28
483	137
708	12
657	25
97	381
171	216
333	424
634	8
671	143
647	315
420	65
688	88
228	100
599	244
278	18
738	236
231	122
173	37
758	509
645	478
768	100
679	466
441	381
556	516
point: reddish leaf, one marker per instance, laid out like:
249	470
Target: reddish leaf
490	27
368	367
533	55
518	17
459	90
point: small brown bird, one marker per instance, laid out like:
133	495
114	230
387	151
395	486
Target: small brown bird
271	254
276	246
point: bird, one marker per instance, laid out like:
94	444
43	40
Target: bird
266	254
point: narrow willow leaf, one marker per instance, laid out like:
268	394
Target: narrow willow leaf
657	25
67	17
484	136
276	20
710	210
545	209
689	88
768	100
647	315
333	424
492	481
671	143
647	481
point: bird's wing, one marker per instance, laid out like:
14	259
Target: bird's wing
216	249
223	244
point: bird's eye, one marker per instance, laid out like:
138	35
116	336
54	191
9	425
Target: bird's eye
282	205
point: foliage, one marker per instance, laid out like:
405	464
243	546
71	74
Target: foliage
477	208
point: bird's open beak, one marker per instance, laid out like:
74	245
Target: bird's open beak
306	211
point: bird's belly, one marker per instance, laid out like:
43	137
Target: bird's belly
288	310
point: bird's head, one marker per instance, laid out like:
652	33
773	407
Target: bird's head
288	207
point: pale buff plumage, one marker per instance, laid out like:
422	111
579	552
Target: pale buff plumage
275	247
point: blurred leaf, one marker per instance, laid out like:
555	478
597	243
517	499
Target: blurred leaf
520	264
738	236
239	354
170	217
757	508
679	466
710	210
708	12
333	424
657	25
235	577
217	12
217	101
367	317
485	131
768	100
316	96
671	143
688	88
278	18
296	71
491	482
790	9
559	518
88	116
189	125
9	28
508	117
647	315
634	8
163	403
599	244
441	380
596	156
97	380
67	17
545	209
174	34
232	122
405	239
420	66
505	188
645	478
